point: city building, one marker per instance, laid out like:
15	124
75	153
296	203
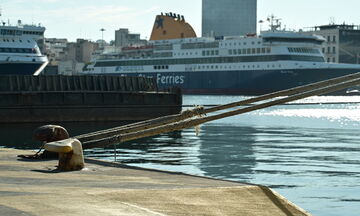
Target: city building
55	49
68	57
228	17
342	42
124	38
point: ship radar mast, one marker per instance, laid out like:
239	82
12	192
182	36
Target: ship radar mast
275	24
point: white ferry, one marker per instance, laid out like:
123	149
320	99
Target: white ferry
244	65
19	52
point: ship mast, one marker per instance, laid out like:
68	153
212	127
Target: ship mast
275	24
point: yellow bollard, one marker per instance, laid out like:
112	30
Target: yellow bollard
70	151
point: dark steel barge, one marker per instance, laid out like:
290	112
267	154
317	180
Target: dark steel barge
31	99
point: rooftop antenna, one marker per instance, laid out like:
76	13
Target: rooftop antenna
332	20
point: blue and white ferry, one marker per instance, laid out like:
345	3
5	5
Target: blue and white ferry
241	65
19	51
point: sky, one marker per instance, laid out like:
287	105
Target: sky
74	19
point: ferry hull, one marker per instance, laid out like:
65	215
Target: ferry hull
19	68
241	82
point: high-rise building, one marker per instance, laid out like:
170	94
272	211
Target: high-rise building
228	17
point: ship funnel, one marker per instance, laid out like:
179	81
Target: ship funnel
168	27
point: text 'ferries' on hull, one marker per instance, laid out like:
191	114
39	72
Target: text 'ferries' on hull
243	65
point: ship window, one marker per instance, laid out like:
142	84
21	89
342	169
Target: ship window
258	50
244	43
252	42
203	52
268	50
230	52
248	51
216	52
334	38
263	50
235	52
253	51
207	52
212	52
167	67
239	51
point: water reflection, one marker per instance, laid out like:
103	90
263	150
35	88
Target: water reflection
227	152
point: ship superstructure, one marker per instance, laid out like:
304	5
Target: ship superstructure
19	50
247	65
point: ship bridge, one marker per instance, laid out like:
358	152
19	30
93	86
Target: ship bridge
291	37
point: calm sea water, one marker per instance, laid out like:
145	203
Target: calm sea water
308	152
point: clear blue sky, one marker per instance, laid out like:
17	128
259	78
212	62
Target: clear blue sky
73	19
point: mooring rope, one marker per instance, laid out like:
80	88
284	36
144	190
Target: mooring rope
323	87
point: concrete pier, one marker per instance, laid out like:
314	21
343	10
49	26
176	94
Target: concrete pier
104	188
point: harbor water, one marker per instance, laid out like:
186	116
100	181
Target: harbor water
308	151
